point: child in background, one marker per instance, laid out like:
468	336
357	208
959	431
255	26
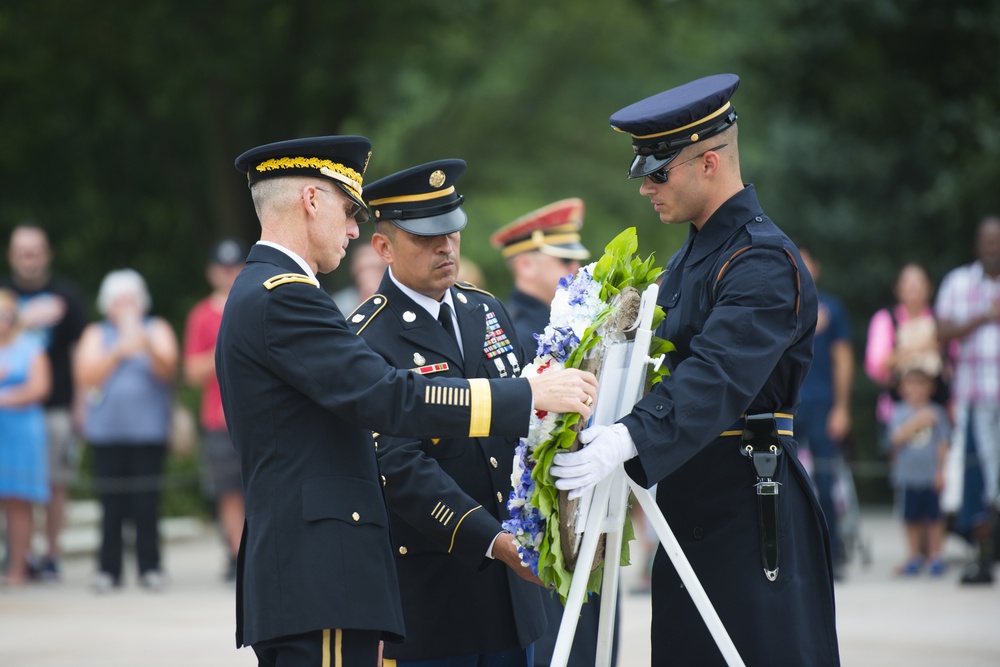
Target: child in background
918	433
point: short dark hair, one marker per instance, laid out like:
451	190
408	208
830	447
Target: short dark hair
386	228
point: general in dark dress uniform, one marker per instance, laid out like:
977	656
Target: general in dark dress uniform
717	434
446	496
302	395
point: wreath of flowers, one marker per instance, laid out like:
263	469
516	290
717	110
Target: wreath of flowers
583	303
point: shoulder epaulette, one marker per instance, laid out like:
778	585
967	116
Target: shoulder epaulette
285	278
473	288
366	312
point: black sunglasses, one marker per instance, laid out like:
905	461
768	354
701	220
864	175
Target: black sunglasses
660	175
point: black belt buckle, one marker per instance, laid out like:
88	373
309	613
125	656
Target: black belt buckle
760	433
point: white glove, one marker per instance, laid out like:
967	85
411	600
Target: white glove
606	447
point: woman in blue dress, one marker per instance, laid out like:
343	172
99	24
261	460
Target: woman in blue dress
25	382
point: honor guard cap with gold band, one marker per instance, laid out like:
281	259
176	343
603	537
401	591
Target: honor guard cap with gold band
552	230
421	200
665	123
341	159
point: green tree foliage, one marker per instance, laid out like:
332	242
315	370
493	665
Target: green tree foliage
868	126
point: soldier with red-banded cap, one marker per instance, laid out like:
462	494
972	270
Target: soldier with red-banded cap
540	248
717	435
302	394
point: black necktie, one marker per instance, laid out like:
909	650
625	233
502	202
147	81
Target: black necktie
444	317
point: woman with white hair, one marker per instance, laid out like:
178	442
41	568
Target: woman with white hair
125	367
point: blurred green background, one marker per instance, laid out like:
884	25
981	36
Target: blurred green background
868	126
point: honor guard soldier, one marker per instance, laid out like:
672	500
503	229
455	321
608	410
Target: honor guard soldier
717	434
540	248
302	394
467	600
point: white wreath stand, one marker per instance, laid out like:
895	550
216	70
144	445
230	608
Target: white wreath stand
623	376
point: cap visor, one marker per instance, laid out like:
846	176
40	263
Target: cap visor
446	223
365	214
644	165
566	251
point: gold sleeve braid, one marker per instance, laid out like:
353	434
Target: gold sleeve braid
481	408
458	525
478	397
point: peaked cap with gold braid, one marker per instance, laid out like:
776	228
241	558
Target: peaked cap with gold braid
421	200
341	159
551	230
665	123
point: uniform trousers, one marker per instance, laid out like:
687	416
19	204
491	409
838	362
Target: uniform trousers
512	657
320	648
128	480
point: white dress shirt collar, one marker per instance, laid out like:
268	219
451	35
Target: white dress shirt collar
298	260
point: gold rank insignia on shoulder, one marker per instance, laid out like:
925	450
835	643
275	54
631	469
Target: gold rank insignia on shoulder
431	368
285	278
366	312
473	288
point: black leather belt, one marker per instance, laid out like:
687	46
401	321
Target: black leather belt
760	444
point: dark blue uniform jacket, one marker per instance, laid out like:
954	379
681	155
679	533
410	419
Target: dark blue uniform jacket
302	395
530	317
447	496
741	310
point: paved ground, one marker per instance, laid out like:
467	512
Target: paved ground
883	621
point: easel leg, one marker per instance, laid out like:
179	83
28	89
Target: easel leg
687	574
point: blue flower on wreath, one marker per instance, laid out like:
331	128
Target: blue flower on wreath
580	288
558	342
526	523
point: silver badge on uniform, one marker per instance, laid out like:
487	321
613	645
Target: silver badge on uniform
418	359
512	358
409	316
461	297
